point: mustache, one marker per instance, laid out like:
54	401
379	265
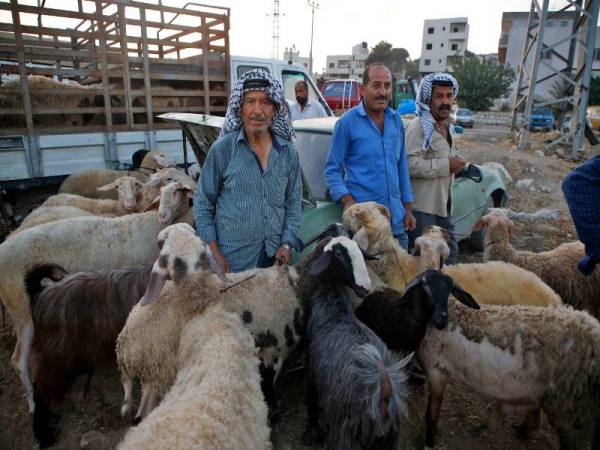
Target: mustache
442	107
381	97
258	118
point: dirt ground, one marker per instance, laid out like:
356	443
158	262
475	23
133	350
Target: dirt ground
96	424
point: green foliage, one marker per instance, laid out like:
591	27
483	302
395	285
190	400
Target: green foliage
480	82
412	68
394	58
594	91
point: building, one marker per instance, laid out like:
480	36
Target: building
443	39
347	66
293	56
558	30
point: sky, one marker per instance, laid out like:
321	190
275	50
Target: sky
340	24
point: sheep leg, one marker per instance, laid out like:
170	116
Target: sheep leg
564	435
531	423
20	361
147	403
43	423
127	395
437	385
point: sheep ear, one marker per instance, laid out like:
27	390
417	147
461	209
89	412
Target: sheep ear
187	190
108	187
153	205
161	160
320	264
416	281
463	296
384	211
214	265
153	181
157	280
362	239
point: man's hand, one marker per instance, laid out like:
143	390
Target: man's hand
283	254
218	256
456	164
347	201
410	222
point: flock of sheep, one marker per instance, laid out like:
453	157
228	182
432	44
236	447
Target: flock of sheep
91	281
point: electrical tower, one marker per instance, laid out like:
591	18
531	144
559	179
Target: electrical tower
576	72
275	15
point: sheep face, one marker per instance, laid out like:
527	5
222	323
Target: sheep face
370	222
496	219
162	159
173	197
433	251
342	260
181	253
127	189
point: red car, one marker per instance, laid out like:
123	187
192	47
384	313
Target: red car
341	95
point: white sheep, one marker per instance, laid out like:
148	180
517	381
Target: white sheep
151	188
491	283
526	357
80	244
46	214
215	401
557	267
275	320
87	182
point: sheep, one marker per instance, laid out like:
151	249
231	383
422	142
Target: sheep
80	244
10	97
76	322
275	320
557	267
87	182
486	282
46	214
127	188
151	188
352	378
215	401
528	357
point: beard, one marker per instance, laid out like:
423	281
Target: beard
302	100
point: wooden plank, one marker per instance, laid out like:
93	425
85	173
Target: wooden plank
125	63
30	29
53	53
104	66
187	12
227	60
52	12
205	66
147	85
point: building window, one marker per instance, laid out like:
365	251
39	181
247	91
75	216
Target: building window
443	28
430	30
455	30
332	65
597	54
428	46
442	44
439	61
427	62
454	47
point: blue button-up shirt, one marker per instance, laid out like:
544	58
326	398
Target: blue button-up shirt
582	192
368	164
241	206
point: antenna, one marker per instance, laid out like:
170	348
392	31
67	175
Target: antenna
275	14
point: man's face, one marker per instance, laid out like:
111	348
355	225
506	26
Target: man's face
441	102
301	94
378	91
257	111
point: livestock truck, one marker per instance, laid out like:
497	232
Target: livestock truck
82	88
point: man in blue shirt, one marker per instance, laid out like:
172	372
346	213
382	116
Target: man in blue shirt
367	161
248	202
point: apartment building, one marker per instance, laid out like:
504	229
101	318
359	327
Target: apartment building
558	30
443	39
347	66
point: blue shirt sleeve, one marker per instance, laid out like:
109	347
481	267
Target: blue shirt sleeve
207	192
403	174
334	167
293	202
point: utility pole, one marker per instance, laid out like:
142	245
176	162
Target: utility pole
314	5
275	15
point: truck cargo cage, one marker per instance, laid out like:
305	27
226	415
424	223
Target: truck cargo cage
109	66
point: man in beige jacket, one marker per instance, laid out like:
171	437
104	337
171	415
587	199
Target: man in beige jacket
432	157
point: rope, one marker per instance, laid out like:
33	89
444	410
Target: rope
236	284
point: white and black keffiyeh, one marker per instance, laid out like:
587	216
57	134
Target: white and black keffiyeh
282	123
423	98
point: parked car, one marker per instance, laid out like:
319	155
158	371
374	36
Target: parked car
541	119
464	117
313	137
341	94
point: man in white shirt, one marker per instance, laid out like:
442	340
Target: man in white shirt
305	107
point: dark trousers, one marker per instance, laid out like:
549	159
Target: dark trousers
423	220
263	259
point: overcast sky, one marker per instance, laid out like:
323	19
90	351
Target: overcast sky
340	24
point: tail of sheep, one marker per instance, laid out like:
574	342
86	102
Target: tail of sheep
372	366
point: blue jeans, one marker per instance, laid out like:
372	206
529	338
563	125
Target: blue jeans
402	240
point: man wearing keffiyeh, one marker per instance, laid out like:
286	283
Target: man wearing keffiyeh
248	201
432	157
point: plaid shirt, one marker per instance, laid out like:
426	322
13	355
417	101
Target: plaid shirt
581	188
241	207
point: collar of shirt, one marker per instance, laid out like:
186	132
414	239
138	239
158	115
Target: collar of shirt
278	141
360	108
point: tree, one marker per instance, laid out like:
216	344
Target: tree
394	58
480	82
412	68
